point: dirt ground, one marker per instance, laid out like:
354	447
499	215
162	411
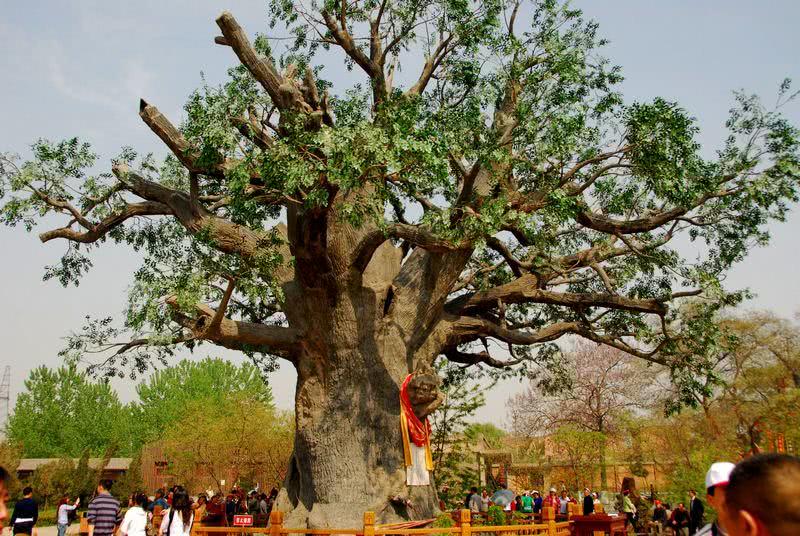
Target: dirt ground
48	531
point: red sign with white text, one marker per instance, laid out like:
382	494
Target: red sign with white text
242	521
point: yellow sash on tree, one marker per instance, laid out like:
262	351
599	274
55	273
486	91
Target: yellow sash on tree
407	445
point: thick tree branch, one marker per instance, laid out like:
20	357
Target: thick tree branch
465	358
604	224
431	64
95	232
616	342
251	129
525	290
465	329
372	66
176	142
515	264
170	135
61	205
224	235
216	320
602	252
238	335
414	234
468	328
262	69
478	180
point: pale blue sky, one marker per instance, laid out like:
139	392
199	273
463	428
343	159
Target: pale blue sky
79	68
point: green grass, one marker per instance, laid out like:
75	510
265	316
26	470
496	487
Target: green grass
47	517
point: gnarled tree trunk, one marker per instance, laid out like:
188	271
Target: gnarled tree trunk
348	455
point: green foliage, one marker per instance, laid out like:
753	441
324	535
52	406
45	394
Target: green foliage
452	434
443	521
84	481
239	439
64	477
580	449
53	480
63	412
489	432
132	481
167	395
496	516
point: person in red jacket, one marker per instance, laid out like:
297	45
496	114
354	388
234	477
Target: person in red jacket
552	500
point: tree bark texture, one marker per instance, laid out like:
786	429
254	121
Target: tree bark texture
348	455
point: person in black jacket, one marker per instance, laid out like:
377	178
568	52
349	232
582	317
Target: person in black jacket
26	513
588	502
696	512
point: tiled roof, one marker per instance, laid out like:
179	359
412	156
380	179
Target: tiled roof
114	464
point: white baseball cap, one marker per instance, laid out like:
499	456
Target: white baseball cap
718	474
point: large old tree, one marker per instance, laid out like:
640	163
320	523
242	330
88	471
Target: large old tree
478	191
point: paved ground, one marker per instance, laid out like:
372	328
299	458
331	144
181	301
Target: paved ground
51	530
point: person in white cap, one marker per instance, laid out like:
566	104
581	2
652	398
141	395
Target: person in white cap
552	500
716	484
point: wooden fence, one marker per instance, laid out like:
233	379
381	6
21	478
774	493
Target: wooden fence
548	527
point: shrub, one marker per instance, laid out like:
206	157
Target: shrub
496	516
443	521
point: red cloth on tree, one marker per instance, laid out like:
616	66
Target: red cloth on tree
418	431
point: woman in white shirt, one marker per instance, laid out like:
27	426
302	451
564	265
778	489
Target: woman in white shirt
63	510
178	518
135	521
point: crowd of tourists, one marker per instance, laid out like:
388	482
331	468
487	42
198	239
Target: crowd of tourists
759	496
529	502
168	513
219	509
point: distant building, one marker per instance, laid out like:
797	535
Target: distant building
536	463
156	472
113	469
155	468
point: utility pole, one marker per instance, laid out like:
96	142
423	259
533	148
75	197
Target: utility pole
5	398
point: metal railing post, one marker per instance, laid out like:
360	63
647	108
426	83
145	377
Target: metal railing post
549	518
466	522
275	523
369	524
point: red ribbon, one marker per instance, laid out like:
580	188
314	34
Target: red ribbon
418	431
